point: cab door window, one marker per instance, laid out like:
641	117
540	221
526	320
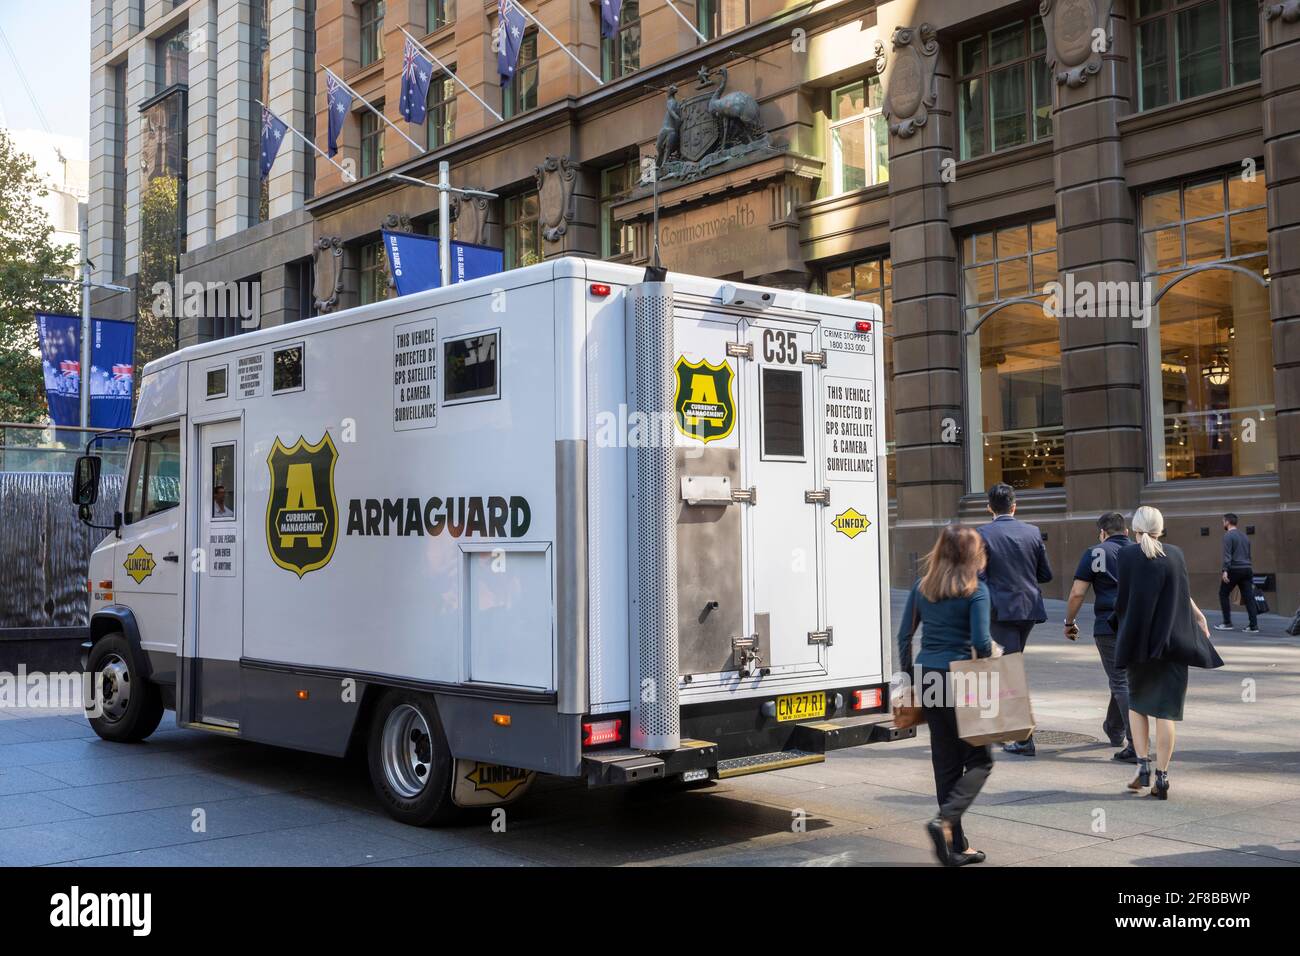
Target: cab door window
154	480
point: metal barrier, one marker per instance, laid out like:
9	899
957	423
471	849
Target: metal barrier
50	450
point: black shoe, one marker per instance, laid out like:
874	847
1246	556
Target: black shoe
966	859
941	848
1160	788
1143	777
1127	755
1021	748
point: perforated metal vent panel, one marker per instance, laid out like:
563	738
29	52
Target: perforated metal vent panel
655	705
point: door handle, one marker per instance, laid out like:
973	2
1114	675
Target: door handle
171	557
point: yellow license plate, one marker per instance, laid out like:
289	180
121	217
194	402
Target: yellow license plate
801	706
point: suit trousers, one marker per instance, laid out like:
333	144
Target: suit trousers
960	769
1242	578
1012	635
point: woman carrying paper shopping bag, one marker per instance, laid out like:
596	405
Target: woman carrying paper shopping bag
951	605
1159	632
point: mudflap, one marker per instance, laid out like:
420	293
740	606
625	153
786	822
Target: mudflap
478	784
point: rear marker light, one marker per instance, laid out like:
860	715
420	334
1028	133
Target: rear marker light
866	699
600	289
602	732
501	720
304	695
863	326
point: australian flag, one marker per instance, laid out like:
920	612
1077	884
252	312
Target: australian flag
510	23
610	11
273	130
416	73
339	101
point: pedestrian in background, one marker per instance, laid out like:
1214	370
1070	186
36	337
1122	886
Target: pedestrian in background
1237	574
1099	569
1017	565
1160	632
951	604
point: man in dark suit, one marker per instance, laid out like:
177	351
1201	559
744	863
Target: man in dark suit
1017	566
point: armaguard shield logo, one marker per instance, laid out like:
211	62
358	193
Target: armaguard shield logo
851	523
139	564
302	514
706	409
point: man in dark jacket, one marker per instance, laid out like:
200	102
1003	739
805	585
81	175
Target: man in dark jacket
1017	565
1099	569
1237	573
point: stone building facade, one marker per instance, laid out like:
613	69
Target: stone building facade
946	160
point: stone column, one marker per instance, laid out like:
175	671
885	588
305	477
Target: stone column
103	170
1280	90
237	148
291	84
1101	357
928	339
201	144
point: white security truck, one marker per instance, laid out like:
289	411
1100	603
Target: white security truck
559	520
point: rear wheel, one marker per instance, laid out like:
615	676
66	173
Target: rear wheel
129	706
410	762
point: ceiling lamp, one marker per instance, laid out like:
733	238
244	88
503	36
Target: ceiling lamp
1217	372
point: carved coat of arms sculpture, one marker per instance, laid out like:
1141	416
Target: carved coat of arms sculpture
708	129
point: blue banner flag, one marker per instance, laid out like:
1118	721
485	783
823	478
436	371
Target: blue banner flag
339	101
510	37
273	130
417	71
112	369
413	261
610	11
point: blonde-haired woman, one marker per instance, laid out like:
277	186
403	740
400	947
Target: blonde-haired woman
1159	632
952	603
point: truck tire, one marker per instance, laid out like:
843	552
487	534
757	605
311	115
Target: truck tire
410	762
131	706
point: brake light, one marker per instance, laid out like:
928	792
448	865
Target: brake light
867	699
600	289
602	732
863	326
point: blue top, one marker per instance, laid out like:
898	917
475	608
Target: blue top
952	627
1099	566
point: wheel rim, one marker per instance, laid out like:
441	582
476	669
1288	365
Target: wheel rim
115	687
407	750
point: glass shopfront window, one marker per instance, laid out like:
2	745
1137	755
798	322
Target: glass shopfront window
1015	426
871	280
1209	345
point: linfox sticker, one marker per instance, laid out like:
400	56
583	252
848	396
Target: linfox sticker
139	564
705	406
302	514
851	523
501	781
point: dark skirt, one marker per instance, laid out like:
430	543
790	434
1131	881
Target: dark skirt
1157	688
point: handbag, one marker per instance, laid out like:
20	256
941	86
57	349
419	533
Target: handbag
907	711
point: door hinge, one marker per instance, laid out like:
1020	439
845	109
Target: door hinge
826	637
740	349
815	358
747	496
822	497
745	650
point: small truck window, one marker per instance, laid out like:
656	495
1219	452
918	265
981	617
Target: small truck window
471	368
287	369
217	382
782	413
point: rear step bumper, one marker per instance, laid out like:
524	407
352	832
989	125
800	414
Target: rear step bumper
809	743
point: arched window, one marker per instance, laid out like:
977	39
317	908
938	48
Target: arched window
1209	344
1014	424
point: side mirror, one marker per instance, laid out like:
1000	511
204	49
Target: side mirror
85	483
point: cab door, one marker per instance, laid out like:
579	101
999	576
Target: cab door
147	562
780	455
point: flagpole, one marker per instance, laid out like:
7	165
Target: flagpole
452	73
541	26
347	176
358	96
694	29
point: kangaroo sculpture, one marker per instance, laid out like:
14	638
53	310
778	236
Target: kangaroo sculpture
737	112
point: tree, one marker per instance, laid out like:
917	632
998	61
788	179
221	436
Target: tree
155	325
27	255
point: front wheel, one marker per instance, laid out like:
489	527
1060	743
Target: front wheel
126	707
410	762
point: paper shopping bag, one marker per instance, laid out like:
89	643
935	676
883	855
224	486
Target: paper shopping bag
991	697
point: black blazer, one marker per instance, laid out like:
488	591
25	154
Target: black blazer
1153	619
1017	565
